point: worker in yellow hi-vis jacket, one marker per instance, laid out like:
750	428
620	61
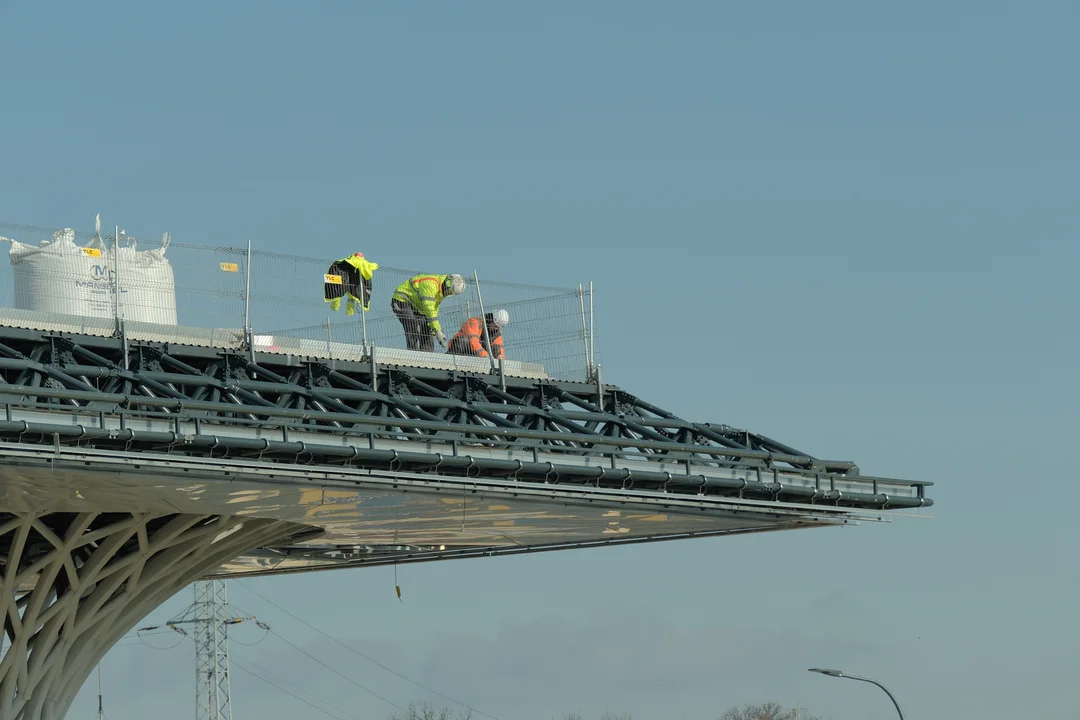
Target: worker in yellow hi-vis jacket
416	304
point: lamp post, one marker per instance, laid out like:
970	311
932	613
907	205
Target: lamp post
839	674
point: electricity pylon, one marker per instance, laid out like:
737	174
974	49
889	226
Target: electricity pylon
210	619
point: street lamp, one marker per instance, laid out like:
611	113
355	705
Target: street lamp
839	674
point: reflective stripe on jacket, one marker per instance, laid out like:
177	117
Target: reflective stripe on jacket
424	293
470	340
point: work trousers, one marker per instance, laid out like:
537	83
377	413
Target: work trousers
460	346
417	330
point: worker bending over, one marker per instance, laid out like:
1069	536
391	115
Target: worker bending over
416	304
350	277
470	338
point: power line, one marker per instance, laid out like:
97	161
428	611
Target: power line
360	654
287	692
139	638
283	682
278	683
299	650
137	635
337	672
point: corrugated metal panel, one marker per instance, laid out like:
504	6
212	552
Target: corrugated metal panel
51	322
233	338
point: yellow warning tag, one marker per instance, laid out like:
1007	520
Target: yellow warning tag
332	279
230	267
92	252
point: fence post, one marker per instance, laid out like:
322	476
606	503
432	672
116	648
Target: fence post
584	332
374	369
248	336
592	329
247	294
116	276
483	321
121	326
363	312
124	344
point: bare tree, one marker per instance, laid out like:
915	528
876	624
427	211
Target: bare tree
608	715
430	712
767	711
573	715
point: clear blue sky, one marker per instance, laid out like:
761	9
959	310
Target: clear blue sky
854	224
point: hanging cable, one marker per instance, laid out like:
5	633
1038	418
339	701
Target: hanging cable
360	654
146	632
266	632
155	647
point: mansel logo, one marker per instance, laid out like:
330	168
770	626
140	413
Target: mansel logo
101	279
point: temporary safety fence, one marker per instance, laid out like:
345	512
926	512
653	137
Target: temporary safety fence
251	293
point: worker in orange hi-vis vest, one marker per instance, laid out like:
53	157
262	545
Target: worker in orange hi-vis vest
470	338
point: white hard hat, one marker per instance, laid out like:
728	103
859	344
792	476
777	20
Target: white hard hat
456	283
501	318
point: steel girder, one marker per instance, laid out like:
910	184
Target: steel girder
215	388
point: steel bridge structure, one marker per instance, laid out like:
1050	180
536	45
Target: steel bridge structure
132	465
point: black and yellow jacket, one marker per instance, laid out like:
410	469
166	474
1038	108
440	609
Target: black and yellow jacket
349	277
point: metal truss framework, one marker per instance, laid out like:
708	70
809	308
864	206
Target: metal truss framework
72	584
216	388
209	616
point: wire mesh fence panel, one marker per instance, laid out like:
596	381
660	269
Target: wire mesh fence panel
288	300
210	285
152	284
176	291
546	324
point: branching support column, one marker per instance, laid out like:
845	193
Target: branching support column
72	584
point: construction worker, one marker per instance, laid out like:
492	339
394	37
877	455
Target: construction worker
470	338
349	277
416	304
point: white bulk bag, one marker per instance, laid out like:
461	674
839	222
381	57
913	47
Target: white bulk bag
147	286
61	276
